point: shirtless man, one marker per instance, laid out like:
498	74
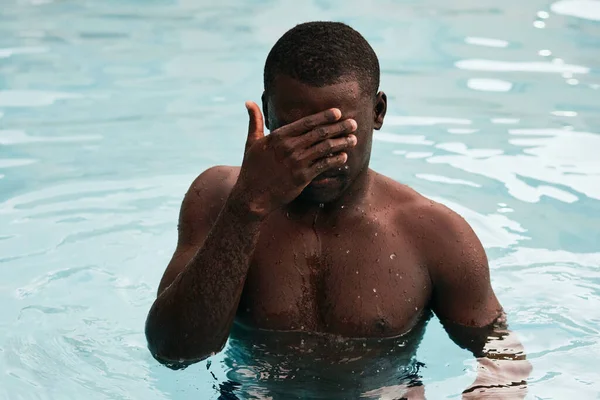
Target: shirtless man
305	237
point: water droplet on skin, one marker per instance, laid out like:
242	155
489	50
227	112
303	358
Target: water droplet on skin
375	233
345	167
416	308
287	215
321	205
374	290
356	272
347	251
342	206
392	256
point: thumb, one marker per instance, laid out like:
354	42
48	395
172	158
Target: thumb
256	130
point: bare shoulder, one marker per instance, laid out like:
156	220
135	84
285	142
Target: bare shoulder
450	247
394	192
214	182
453	256
443	236
200	208
203	201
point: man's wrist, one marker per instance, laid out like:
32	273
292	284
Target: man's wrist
240	206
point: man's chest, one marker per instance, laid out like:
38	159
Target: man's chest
365	280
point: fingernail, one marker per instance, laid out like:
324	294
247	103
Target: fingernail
334	114
353	124
353	140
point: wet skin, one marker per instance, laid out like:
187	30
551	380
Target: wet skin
326	245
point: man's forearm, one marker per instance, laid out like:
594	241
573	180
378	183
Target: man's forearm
502	369
502	366
506	378
192	317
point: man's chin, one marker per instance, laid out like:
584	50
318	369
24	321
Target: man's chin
322	192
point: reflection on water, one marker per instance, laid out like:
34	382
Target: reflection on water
586	9
554	156
298	365
506	66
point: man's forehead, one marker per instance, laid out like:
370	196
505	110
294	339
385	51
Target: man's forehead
291	98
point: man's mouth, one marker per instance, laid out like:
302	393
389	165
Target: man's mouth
326	179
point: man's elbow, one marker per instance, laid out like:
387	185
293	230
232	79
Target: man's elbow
175	365
175	355
177	352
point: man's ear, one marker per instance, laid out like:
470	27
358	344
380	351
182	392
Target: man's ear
265	109
380	110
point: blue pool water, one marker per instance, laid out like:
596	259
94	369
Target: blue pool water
108	110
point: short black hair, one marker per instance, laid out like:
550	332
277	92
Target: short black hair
321	54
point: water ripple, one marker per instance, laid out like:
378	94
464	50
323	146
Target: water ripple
110	109
15	137
33	98
52	277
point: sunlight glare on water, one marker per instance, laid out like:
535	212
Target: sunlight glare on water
109	109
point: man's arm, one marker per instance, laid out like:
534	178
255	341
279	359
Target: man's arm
200	289
465	303
502	367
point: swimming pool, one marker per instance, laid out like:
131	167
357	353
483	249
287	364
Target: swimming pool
108	110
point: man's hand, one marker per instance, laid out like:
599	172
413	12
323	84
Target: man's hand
499	379
277	167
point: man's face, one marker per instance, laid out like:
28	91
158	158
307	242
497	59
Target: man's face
291	100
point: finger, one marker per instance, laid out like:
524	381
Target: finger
306	124
324	132
256	130
328	147
326	163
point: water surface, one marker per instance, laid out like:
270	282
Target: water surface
109	109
